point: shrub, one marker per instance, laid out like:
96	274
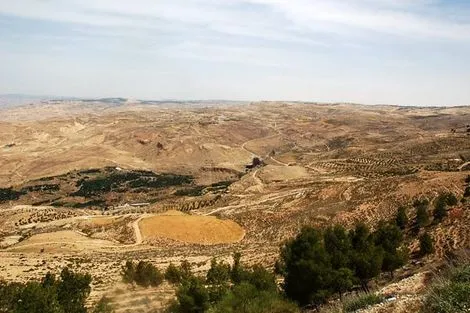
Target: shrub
467	192
7	194
144	274
246	298
450	292
422	216
451	199
467	179
361	302
218	277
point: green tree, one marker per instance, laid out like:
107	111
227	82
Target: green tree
219	273
35	298
367	257
218	278
308	271
192	296
9	294
466	193
338	246
237	269
402	218
393	261
173	274
49	280
73	290
146	274
343	280
389	237
185	270
261	278
426	244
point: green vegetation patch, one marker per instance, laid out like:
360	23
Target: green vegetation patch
361	302
8	194
450	292
119	181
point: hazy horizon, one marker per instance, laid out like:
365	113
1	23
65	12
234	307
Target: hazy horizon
397	52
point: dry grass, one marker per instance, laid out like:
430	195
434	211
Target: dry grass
60	242
206	230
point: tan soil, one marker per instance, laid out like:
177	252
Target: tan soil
207	230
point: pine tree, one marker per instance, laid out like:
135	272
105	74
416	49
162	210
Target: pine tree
308	271
173	274
426	244
401	219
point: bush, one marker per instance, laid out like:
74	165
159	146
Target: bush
450	292
422	216
317	264
246	298
451	199
218	277
467	192
144	274
128	272
361	302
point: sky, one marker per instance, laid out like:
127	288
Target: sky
407	52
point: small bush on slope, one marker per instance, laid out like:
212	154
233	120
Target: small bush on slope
361	302
450	293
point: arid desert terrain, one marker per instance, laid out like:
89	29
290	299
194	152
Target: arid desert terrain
91	184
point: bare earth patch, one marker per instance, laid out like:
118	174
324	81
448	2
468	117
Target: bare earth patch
207	230
59	242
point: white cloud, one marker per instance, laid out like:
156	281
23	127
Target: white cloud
272	18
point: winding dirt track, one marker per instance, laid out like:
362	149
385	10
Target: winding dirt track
463	165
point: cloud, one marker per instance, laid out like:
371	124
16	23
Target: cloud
275	19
